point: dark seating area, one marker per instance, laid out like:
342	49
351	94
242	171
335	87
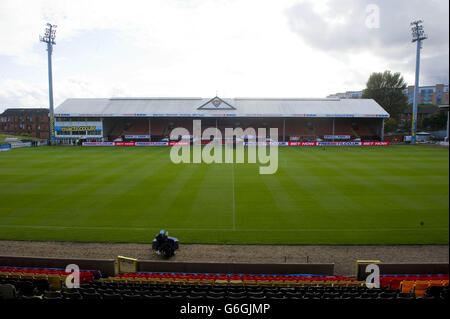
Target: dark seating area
182	286
95	290
45	273
298	129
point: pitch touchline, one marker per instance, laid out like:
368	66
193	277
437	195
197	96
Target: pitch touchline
220	229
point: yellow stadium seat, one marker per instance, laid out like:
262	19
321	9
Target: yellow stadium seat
27	276
119	279
163	281
192	281
328	283
134	280
236	282
435	282
250	282
291	283
317	283
105	280
148	280
304	283
206	282
221	282
342	283
179	281
420	288
55	282
407	286
279	283
264	283
356	284
41	276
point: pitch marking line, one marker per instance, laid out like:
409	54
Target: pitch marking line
234	202
225	229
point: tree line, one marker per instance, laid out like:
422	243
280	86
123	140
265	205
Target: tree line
386	89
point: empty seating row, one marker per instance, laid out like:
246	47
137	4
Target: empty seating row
107	291
418	287
237	279
394	281
138	128
215	276
31	273
205	286
158	290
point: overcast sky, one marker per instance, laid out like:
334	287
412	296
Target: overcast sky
245	48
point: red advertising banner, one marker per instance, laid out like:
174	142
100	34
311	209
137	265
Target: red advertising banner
124	143
179	143
302	143
245	143
375	143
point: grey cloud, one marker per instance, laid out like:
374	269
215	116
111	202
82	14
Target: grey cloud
392	41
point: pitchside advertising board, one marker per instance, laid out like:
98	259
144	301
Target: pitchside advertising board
5	147
17	145
128	144
137	137
245	143
337	137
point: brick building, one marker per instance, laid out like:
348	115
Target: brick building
17	121
433	94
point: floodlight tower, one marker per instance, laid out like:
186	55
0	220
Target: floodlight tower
49	38
418	35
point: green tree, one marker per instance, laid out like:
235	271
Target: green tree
390	125
437	121
387	90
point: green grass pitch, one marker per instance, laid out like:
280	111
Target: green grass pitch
333	195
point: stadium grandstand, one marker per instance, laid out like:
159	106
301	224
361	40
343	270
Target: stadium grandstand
50	284
152	119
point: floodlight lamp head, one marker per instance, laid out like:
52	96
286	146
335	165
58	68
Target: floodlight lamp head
417	31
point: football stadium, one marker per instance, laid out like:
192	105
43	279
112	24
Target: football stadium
108	187
221	206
